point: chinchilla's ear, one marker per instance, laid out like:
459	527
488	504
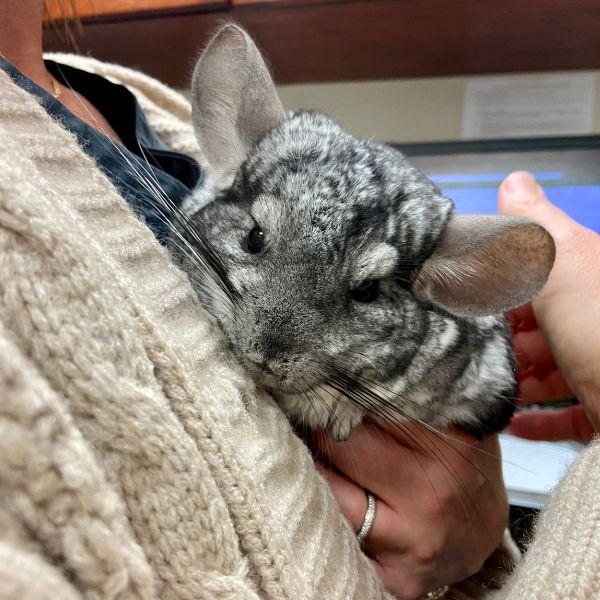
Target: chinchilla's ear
234	100
486	265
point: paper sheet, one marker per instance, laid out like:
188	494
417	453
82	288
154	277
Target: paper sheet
529	106
532	469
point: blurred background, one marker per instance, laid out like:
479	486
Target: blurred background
395	70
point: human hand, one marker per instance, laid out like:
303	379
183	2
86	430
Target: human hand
441	503
557	338
540	381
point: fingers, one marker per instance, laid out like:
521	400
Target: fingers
387	530
372	458
577	248
377	459
440	512
553	387
533	351
539	377
416	544
522	318
565	310
564	424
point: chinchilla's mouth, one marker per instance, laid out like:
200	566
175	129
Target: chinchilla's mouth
280	385
271	383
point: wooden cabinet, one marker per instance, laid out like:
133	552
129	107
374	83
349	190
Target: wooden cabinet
98	10
332	40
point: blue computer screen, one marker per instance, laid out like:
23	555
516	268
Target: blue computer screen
570	178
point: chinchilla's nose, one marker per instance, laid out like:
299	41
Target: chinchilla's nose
279	341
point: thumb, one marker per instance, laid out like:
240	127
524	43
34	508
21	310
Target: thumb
521	196
576	247
567	309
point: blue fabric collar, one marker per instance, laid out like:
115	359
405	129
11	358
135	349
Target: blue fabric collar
142	153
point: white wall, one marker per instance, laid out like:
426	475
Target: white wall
397	110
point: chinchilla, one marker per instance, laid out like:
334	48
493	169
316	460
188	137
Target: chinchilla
341	276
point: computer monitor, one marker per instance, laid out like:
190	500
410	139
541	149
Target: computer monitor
470	172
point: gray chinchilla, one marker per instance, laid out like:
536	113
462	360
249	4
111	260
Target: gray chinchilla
341	276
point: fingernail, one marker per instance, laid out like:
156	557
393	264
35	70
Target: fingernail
521	183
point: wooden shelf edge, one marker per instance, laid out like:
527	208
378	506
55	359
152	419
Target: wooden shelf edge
97	11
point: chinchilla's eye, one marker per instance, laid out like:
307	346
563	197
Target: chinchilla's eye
365	291
255	240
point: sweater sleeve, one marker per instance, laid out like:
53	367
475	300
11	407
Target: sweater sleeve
562	560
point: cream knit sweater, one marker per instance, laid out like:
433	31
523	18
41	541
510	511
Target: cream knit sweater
136	459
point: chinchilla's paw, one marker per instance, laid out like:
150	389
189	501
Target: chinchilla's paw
333	412
343	420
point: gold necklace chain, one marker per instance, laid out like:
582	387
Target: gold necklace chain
56	89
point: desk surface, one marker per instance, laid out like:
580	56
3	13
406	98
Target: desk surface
533	469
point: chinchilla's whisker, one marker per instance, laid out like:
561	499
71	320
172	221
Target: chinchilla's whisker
426	448
437	432
380	405
391	420
201	283
178	220
391	394
376	405
168	211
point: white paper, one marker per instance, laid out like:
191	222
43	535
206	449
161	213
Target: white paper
532	469
529	106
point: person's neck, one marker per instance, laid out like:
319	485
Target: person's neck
21	44
21	39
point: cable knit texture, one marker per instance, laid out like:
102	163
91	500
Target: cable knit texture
136	459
